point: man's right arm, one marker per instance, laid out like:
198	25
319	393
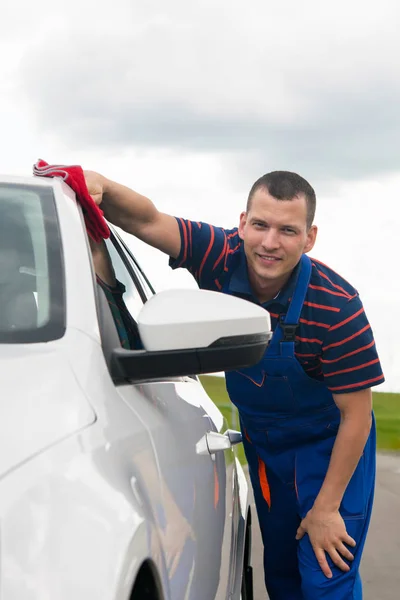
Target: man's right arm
134	213
199	247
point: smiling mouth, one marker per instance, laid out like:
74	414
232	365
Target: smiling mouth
268	258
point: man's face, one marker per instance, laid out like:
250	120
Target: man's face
275	235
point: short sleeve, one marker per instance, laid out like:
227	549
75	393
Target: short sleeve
204	249
350	361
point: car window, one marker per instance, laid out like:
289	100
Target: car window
139	273
144	282
118	288
31	274
132	297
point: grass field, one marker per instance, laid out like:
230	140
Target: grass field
386	408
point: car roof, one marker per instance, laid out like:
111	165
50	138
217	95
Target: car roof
27	180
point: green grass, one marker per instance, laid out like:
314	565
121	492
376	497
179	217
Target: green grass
386	408
387	413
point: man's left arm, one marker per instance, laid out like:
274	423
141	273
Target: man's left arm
350	364
355	426
323	523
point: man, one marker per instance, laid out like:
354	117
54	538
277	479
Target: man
306	408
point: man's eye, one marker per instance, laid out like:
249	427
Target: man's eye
289	230
257	224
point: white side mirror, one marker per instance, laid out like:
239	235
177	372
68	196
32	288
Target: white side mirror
184	319
188	332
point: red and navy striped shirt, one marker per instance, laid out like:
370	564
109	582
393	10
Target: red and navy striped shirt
334	341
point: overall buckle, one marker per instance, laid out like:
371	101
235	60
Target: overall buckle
289	331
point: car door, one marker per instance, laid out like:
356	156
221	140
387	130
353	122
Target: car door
198	516
218	424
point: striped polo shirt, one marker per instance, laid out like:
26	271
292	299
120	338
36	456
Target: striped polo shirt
334	341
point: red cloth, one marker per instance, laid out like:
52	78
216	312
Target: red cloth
95	222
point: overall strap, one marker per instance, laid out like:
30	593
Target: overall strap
285	332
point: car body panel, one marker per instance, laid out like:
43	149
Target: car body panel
73	520
197	490
41	410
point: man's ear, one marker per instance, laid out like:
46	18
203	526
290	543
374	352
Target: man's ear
311	238
242	223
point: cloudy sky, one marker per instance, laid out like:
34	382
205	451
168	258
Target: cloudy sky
190	101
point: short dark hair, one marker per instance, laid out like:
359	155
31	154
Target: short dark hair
284	185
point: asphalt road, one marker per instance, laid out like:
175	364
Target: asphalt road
380	566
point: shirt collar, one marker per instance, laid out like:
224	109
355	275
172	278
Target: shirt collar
240	284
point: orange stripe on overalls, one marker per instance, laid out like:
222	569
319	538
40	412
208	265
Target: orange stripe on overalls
247	436
262	475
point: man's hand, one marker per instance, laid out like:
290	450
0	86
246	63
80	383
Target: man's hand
327	533
95	184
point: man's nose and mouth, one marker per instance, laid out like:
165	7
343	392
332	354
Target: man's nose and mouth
269	256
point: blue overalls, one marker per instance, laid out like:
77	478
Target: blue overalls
289	424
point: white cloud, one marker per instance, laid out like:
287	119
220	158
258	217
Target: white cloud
314	88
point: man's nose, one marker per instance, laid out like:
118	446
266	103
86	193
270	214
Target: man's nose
270	239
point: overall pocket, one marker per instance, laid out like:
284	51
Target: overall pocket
259	395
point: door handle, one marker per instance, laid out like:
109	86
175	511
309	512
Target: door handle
213	442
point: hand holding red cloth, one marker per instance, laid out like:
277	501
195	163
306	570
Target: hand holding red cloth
73	176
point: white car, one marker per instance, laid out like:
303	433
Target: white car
119	480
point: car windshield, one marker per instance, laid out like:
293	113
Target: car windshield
31	276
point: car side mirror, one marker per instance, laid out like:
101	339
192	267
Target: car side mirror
193	332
